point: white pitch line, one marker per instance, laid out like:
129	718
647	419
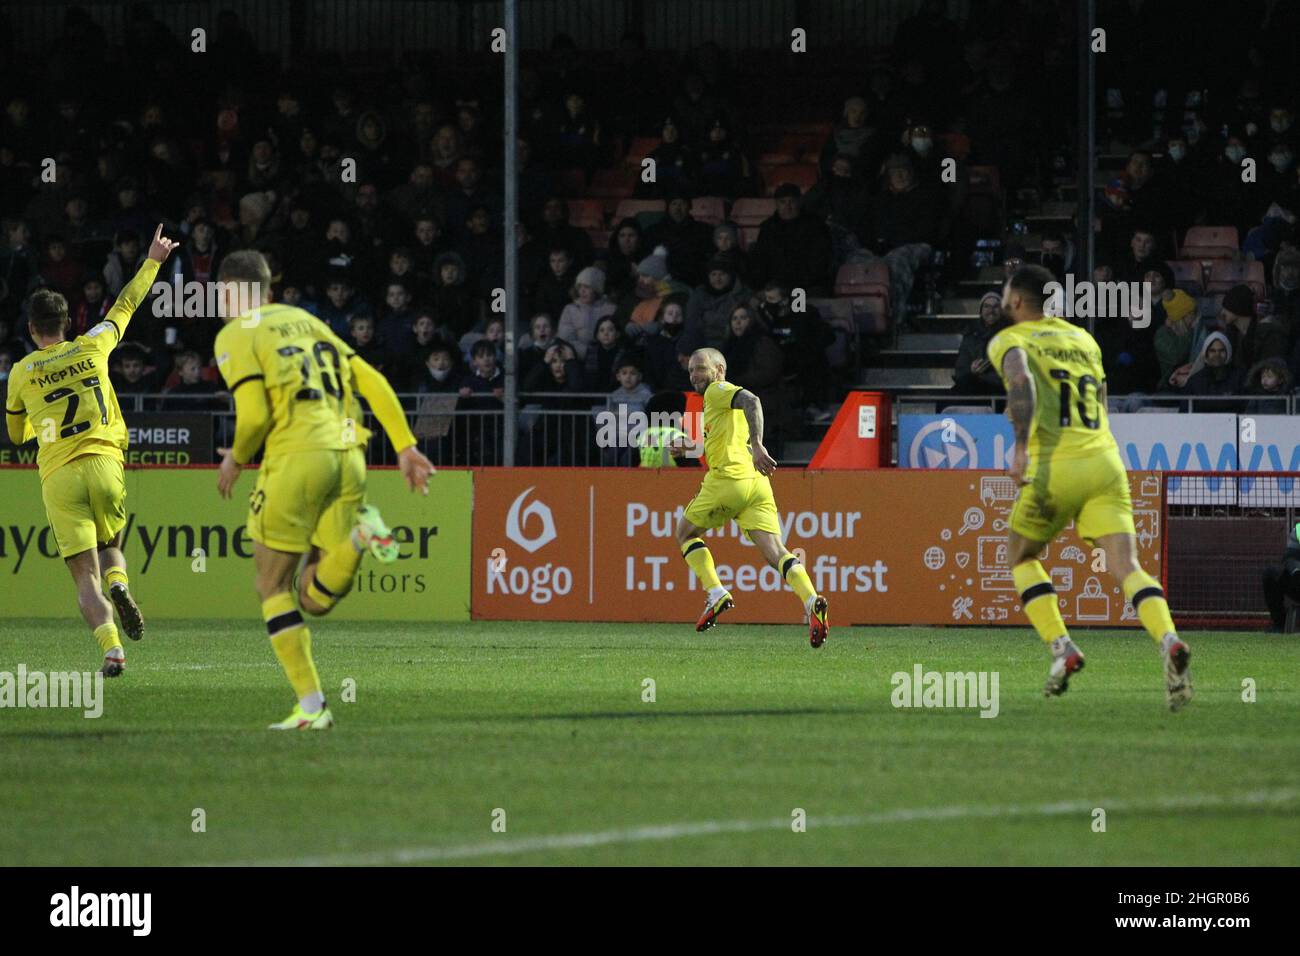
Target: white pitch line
506	846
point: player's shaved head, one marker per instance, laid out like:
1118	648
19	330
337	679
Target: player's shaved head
713	357
245	266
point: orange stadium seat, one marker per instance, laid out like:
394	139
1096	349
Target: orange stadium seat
1225	273
708	209
586	213
752	212
1189	275
1210	242
803	175
858	279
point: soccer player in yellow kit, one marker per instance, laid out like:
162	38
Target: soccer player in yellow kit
61	395
294	383
737	486
1069	469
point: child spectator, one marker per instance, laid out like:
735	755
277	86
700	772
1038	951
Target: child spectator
361	336
189	368
341	304
579	319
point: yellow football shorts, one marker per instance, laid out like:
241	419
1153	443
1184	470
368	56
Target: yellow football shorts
1093	492
85	501
747	501
307	498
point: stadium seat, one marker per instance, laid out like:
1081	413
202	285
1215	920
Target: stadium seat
639	149
859	279
1189	275
803	175
612	184
1225	273
709	210
748	236
635	207
752	212
1210	242
586	213
599	240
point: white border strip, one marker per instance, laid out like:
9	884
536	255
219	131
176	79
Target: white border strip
506	846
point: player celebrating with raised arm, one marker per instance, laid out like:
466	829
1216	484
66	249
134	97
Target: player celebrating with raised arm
1069	469
61	395
293	381
737	487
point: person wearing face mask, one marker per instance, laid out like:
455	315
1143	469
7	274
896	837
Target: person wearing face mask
663	367
1233	202
1284	304
1179	184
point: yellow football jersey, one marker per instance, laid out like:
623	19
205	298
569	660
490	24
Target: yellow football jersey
64	389
726	433
1065	361
304	368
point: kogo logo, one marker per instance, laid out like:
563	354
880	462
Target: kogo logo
516	518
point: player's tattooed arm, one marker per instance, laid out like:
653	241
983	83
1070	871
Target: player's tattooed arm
752	408
1020	393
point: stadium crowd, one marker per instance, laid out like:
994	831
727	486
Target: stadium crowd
404	258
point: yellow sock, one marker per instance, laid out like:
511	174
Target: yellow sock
1148	599
795	575
115	576
106	637
334	574
1038	598
697	555
292	643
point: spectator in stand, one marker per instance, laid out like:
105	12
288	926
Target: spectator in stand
1173	340
560	439
481	390
395	332
484	377
1251	338
361	336
122	261
674	165
1284	305
726	245
1233	202
19	267
444	153
130	215
804	338
437	372
453	304
200	393
61	272
604	352
855	138
133	376
841	201
494	331
1141	256
429	245
793	246
710	307
468	194
579	318
1056	254
626	249
341	303
974	374
903	226
401	268
665	365
533	346
687	240
632	393
535	182
91	306
553	289
555	232
1269	381
1179	184
755	362
577	139
480	248
199	258
1213	373
723	170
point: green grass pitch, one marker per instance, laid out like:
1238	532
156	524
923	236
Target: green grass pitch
546	722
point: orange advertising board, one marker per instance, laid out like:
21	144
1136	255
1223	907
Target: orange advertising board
885	547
